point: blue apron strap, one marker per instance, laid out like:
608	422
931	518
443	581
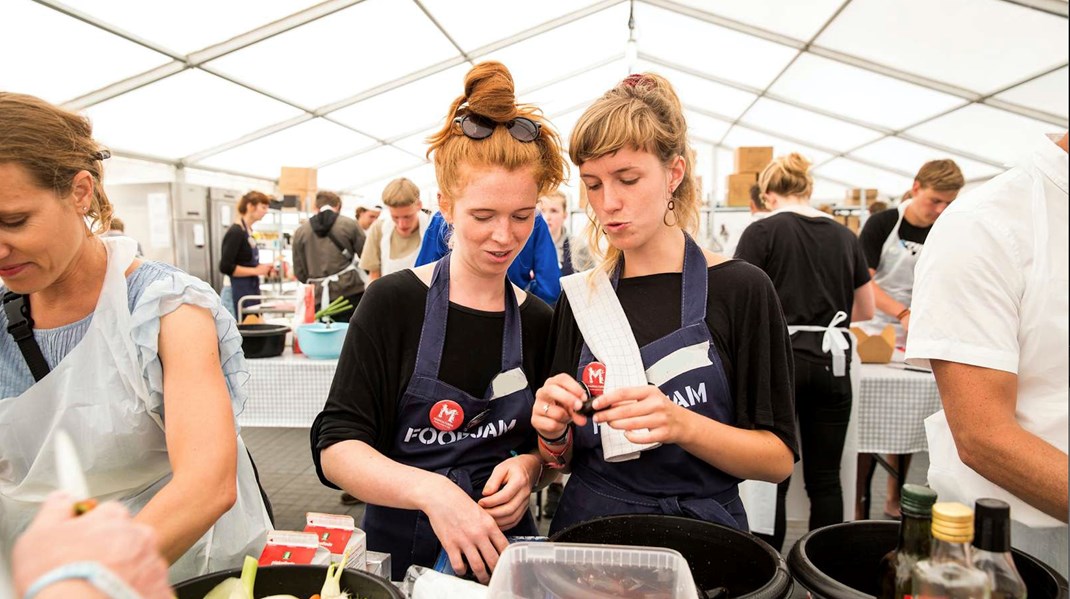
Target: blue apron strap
695	284
436	310
512	340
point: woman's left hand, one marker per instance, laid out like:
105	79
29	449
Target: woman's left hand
632	409
506	494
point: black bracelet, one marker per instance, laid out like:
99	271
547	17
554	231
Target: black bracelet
556	440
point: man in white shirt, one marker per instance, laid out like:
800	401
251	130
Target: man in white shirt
990	315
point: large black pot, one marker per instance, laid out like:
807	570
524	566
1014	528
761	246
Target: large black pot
263	340
300	581
719	556
841	562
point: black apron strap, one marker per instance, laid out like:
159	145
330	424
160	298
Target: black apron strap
20	327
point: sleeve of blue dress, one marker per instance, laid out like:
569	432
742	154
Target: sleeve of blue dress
547	283
433	246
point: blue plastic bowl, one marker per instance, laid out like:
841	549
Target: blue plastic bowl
320	342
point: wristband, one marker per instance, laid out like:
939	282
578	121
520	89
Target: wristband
559	462
101	578
558	440
902	314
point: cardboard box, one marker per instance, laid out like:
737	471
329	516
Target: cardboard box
339	534
753	159
291	547
297	178
738	188
852	222
875	349
854	197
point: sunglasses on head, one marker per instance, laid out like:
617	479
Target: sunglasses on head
521	128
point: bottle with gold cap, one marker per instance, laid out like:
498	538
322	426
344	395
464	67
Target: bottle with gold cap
949	571
915	541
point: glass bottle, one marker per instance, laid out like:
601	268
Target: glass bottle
915	536
949	571
992	549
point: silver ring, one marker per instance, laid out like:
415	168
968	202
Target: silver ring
545	408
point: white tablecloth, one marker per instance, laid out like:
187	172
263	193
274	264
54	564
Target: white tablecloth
287	391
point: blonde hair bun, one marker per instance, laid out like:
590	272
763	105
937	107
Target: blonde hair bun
490	91
787	176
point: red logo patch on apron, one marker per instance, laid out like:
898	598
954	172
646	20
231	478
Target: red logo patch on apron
446	415
594	377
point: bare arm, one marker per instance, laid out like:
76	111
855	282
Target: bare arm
201	439
864	302
460	525
979	404
261	270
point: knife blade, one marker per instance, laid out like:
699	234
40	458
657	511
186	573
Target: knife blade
70	475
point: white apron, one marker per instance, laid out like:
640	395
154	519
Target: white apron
895	276
1044	414
98	395
387	264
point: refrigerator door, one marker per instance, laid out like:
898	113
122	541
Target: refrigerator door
222	213
191	248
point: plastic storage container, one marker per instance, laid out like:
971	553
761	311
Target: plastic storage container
841	562
301	581
723	561
571	570
322	342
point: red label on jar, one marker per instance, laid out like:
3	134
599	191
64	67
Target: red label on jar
594	376
446	415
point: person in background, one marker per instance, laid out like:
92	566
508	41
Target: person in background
991	320
366	216
428	418
877	206
393	243
572	254
327	245
62	556
138	361
239	258
821	278
534	270
118	229
722	414
892	241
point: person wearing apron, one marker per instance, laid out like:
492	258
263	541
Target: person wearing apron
239	256
820	274
427	421
692	430
991	319
893	243
401	227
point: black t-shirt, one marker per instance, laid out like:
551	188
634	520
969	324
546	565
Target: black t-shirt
815	264
879	227
747	326
234	249
379	356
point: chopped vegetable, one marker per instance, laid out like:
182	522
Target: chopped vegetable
237	588
336	307
332	588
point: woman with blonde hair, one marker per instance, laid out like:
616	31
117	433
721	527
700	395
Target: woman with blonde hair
137	361
428	419
702	386
822	280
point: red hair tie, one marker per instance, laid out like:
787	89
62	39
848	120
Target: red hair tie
633	80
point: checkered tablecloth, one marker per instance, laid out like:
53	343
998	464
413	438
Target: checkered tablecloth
287	391
892	407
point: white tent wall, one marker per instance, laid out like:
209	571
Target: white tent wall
224	94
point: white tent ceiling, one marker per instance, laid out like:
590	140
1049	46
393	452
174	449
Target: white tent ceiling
868	89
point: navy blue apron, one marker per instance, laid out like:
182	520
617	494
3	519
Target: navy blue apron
667	479
243	286
490	430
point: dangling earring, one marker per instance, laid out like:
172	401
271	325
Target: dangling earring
670	208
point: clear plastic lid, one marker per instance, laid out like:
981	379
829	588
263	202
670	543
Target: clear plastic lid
569	570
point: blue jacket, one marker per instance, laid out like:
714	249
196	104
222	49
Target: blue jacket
538	256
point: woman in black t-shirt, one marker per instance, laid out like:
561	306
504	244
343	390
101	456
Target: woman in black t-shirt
239	258
710	375
820	275
428	419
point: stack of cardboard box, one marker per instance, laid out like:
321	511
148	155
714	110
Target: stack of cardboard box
749	162
299	182
854	197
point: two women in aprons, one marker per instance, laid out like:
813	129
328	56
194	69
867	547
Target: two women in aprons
712	398
138	362
429	417
822	280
